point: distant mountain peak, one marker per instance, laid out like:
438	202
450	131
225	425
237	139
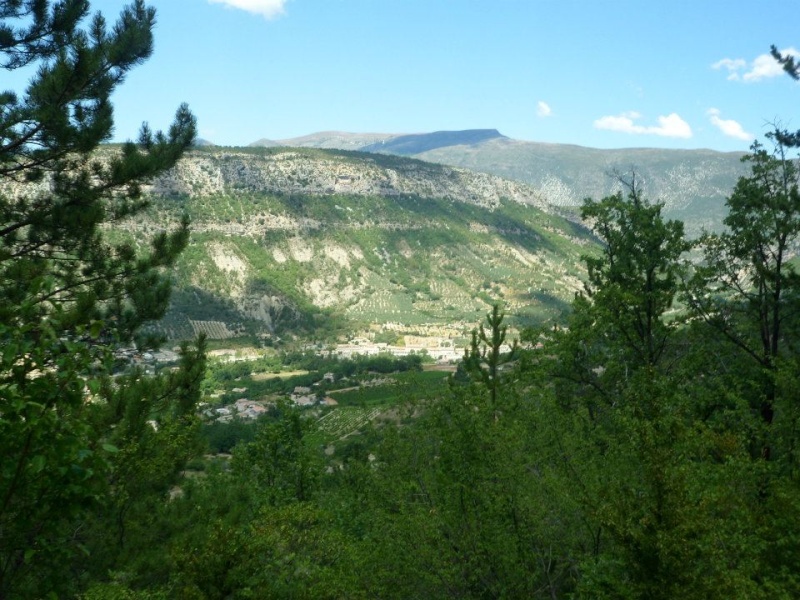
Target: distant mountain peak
404	144
335	140
423	142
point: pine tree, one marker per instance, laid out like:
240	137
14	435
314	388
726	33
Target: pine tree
68	296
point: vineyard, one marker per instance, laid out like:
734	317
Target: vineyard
345	420
214	330
402	387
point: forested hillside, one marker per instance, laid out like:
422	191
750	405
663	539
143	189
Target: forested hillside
643	446
639	452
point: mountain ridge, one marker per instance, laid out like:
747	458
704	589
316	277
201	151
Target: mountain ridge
693	184
413	144
284	170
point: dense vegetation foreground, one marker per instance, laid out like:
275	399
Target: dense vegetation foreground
648	448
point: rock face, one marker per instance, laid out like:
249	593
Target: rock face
299	171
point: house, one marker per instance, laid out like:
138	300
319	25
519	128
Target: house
303	400
248	409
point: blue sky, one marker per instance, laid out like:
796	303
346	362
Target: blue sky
599	73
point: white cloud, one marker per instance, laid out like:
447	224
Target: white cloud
543	109
729	127
269	9
764	66
668	126
732	65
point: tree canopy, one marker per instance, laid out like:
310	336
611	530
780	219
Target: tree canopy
69	298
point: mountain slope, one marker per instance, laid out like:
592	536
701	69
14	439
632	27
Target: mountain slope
290	240
693	184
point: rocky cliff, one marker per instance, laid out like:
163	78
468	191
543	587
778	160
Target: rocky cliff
205	172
